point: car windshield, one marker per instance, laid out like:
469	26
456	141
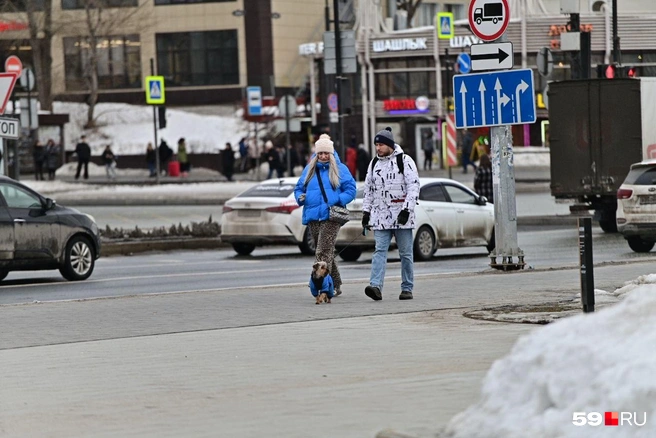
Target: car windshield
641	176
269	191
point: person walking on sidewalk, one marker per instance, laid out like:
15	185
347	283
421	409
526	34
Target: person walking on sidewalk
83	152
109	160
228	161
151	160
39	155
183	158
466	150
324	170
53	154
390	196
428	148
483	179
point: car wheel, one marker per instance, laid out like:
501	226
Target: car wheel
608	225
3	274
350	254
79	259
639	245
307	247
492	243
243	248
424	245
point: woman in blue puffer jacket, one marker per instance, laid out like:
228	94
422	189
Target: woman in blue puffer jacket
340	190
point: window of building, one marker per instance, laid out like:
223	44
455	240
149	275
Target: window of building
119	62
186	2
80	4
20	5
405	84
425	14
198	58
458	11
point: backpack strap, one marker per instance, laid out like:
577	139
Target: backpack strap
399	163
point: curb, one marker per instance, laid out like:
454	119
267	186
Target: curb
77	202
557	220
110	248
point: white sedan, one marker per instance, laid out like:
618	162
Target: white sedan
448	215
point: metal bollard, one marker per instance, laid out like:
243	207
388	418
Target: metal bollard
585	264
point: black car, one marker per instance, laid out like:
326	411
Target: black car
37	234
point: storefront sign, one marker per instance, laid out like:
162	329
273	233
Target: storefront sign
559	29
400	45
310	49
420	105
458	42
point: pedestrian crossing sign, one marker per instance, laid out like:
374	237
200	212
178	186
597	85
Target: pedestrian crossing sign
444	23
155	90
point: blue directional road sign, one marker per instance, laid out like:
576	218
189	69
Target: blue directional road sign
464	63
493	99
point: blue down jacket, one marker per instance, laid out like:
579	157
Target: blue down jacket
314	206
327	286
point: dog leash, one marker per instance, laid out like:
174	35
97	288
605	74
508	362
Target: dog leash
349	244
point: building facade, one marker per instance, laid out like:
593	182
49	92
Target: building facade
208	51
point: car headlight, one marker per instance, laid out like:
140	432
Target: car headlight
91	218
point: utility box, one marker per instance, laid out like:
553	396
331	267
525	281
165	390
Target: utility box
597	129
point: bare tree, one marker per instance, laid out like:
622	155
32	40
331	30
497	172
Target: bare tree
410	7
100	22
40	24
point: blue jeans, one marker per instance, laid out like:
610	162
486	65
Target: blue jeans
379	261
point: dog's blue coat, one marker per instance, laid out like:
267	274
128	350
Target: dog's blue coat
326	285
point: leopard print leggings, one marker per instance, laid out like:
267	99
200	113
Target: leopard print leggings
324	234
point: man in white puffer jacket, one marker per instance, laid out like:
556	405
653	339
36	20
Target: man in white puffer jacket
390	196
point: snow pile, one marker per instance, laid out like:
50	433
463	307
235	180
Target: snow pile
599	362
129	128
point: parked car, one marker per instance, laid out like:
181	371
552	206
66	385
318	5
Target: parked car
38	234
636	206
262	216
448	215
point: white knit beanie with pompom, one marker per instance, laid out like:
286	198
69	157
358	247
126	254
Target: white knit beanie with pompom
324	144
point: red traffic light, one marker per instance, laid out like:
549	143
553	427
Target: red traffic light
610	72
631	72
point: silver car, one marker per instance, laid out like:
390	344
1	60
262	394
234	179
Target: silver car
636	206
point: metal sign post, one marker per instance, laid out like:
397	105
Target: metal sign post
586	265
497	99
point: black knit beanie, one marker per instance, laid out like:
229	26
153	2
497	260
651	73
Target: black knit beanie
385	137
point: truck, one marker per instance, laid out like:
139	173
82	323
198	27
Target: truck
489	12
597	129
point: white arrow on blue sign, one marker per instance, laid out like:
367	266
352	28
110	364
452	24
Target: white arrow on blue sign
464	63
494	99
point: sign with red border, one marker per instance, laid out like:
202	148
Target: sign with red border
7	82
488	19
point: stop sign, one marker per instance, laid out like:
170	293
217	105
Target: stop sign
14	65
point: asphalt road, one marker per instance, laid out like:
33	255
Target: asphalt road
151	216
189	271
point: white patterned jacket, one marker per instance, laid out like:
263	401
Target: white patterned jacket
387	191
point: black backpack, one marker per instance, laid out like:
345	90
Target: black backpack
399	163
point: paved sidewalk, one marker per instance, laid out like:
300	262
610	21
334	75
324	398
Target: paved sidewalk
261	362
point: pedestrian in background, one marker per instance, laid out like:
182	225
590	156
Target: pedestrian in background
428	148
83	152
363	162
466	149
109	160
243	155
53	152
254	153
351	157
39	155
228	161
165	154
339	187
273	158
151	160
390	196
483	179
183	158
